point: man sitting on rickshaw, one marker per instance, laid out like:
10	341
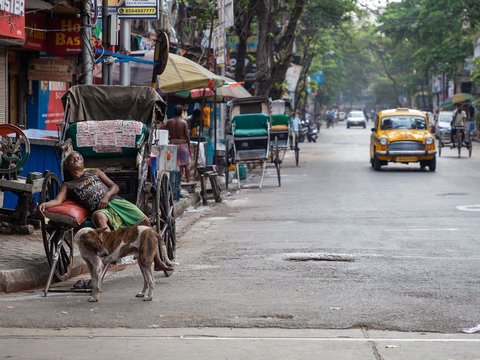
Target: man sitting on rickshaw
458	123
97	193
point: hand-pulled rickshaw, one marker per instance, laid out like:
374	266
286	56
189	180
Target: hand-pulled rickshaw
250	134
112	128
279	134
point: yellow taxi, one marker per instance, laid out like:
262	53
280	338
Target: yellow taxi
402	136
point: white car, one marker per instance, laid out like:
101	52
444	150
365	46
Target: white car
442	125
356	118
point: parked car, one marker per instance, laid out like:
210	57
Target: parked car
356	118
431	121
402	136
443	127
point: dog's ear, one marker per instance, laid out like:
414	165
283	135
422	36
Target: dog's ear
101	230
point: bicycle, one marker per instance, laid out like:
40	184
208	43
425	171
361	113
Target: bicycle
461	139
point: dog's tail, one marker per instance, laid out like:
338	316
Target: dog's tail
163	250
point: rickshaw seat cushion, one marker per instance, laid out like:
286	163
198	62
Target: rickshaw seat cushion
279	128
278	120
69	213
250	132
89	152
250	125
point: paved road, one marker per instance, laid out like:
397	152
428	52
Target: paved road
338	246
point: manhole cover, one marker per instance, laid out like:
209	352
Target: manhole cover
318	257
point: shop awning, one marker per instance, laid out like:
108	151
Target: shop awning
183	74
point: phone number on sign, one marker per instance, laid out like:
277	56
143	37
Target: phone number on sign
136	11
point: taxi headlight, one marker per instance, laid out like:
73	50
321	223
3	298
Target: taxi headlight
429	141
383	141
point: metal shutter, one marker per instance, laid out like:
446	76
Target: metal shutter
3	85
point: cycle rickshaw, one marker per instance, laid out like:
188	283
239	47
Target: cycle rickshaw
250	121
279	134
461	138
112	127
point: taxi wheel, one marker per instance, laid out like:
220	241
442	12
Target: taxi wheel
377	165
433	164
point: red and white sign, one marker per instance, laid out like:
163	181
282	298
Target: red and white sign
12	19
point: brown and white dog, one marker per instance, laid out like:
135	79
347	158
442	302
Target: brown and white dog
99	248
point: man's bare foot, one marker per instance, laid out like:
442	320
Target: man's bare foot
162	267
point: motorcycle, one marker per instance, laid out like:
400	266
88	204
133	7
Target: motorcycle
302	134
312	133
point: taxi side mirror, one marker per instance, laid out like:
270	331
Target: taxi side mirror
373	129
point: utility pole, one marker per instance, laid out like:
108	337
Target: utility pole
87	50
125	31
106	68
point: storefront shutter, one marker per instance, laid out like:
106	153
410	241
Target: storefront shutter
3	85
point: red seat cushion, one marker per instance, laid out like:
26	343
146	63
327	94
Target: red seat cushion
68	213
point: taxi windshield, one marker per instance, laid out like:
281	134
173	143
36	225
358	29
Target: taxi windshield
403	122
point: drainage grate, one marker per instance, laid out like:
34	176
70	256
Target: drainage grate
318	257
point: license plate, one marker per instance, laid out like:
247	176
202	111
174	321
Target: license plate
406	159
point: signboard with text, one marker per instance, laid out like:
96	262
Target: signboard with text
12	14
67	41
35	39
130	9
51	69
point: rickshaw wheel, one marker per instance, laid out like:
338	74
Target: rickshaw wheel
165	217
148	203
277	160
56	237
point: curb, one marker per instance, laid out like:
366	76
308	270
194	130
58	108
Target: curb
35	274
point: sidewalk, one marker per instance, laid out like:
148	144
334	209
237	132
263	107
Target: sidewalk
23	263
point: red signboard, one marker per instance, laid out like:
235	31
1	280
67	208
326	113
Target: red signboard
67	41
34	38
55	111
12	26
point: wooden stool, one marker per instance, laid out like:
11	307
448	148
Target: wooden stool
215	191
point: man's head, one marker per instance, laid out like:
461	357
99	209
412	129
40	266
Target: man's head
178	110
73	161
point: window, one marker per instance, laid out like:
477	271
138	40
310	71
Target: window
403	122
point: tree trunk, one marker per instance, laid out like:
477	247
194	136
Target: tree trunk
265	20
285	53
242	28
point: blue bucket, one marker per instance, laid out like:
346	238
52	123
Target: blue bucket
175	179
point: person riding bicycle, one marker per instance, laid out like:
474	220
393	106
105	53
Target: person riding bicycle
459	118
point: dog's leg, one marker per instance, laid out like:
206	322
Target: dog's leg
145	262
145	284
163	251
96	267
150	280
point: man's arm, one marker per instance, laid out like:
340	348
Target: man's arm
113	188
61	197
185	134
